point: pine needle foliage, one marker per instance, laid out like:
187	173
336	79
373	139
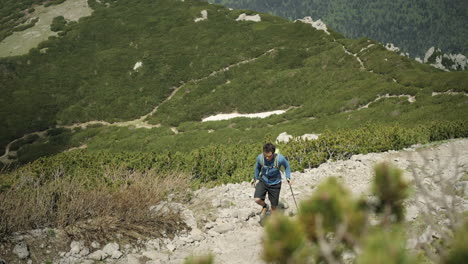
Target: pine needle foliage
334	205
386	247
208	259
391	190
284	241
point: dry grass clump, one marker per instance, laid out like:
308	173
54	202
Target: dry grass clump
118	203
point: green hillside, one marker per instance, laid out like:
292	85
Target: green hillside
105	120
413	26
218	65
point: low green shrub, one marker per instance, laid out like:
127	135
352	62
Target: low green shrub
233	162
58	24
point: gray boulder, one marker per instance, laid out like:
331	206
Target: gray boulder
21	250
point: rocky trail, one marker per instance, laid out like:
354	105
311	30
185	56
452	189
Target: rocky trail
224	220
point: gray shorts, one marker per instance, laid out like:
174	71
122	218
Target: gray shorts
261	189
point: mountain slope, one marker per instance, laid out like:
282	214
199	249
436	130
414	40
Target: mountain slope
151	64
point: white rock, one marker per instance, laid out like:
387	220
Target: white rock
204	14
209	225
319	25
97	255
132	259
156	255
95	244
116	254
137	65
84	252
245	17
310	136
110	248
223	228
21	250
153	244
170	247
86	261
212	233
76	247
283	138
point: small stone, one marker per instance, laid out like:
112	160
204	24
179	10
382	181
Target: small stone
155	255
110	248
21	250
76	247
212	233
97	255
209	225
95	244
180	243
223	228
171	247
84	252
133	259
116	254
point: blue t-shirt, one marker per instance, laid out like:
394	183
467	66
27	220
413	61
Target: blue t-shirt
270	174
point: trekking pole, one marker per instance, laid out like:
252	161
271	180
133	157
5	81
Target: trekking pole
293	194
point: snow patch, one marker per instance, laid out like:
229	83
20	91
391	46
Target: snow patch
204	14
137	65
235	115
319	25
245	17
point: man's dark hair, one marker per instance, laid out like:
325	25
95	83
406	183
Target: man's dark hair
268	147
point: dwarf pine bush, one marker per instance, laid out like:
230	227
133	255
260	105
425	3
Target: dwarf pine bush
387	246
208	259
333	204
391	190
284	241
459	248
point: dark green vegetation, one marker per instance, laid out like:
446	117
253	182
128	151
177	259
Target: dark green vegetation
87	74
217	162
58	24
414	26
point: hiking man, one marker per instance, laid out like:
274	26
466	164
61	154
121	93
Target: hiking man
267	177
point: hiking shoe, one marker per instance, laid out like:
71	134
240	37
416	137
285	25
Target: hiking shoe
265	209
